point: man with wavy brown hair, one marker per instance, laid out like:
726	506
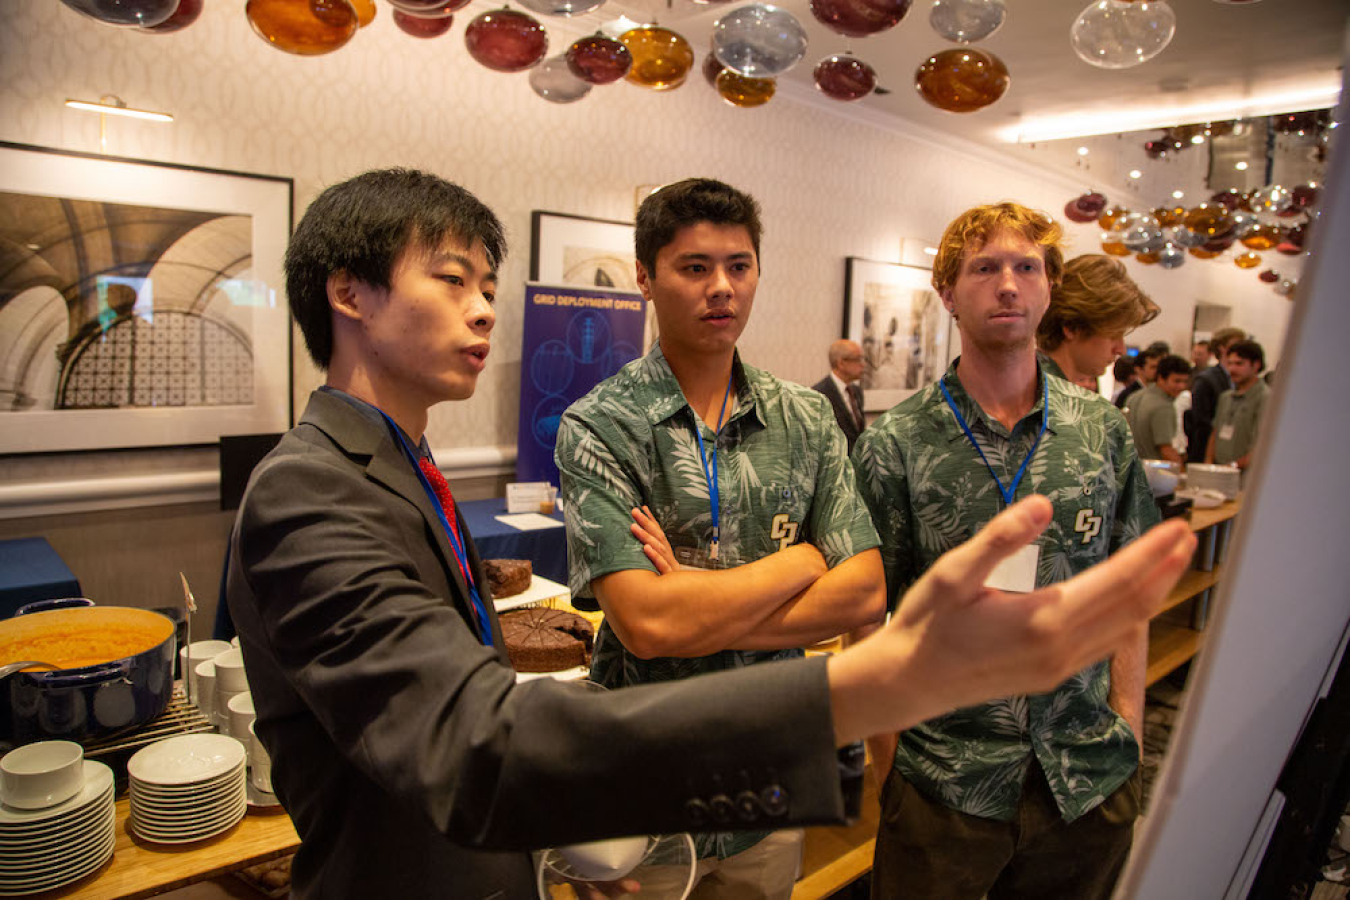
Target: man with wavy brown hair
1091	310
1027	796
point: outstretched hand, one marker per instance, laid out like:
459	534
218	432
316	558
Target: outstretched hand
953	642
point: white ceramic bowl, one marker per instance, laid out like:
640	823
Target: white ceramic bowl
230	671
42	774
605	860
1162	476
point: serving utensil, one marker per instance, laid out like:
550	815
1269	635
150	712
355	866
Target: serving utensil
9	669
191	608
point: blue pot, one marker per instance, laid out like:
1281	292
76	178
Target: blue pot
86	701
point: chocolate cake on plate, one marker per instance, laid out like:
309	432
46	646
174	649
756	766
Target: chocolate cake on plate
508	577
546	640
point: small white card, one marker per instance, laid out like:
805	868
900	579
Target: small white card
1017	573
529	521
1226	432
527	496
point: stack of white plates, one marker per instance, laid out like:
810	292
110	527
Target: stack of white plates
187	788
46	848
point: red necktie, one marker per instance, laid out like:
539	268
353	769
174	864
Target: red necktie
442	489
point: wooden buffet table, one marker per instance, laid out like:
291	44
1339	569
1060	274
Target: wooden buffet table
833	857
142	869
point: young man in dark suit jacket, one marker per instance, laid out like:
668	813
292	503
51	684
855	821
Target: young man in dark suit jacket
410	760
843	387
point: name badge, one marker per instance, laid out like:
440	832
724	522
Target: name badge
1017	573
1226	432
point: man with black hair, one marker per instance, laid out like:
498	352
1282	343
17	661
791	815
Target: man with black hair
1237	421
411	762
1146	370
1152	417
1206	387
725	471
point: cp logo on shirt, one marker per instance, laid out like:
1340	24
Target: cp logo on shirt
1088	524
783	531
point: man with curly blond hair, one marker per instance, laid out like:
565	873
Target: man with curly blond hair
1028	796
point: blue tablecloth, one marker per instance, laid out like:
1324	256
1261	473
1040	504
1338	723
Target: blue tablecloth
545	548
31	570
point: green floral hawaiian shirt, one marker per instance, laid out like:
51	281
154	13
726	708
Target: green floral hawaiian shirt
929	491
783	477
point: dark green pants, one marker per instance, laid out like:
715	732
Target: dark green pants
926	851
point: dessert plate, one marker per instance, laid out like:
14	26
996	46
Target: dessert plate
186	759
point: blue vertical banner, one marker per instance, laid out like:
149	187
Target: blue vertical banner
574	337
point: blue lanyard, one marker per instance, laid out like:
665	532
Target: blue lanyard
1011	491
710	474
456	542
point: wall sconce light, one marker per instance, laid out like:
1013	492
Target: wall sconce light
110	105
917	252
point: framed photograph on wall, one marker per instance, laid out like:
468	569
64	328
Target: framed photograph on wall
897	318
142	303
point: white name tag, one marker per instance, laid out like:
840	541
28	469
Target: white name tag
1017	573
1226	432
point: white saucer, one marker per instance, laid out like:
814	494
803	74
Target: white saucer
59	838
186	759
63	875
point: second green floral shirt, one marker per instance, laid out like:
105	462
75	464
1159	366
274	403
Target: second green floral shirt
929	491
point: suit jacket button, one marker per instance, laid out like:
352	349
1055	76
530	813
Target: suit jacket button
749	806
698	812
775	800
723	810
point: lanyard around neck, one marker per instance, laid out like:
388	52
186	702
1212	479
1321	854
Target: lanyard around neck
1011	491
456	541
710	472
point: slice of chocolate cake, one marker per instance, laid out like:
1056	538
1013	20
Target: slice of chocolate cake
508	577
546	640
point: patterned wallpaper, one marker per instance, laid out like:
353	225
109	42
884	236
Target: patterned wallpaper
832	182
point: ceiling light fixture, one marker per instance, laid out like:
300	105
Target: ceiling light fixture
1080	124
1082	151
114	106
1135	173
1240	166
1177	195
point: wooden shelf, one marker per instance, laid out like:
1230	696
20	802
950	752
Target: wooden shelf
1192	583
1168	647
1200	519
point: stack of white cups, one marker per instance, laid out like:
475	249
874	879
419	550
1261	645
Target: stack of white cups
194	662
230	683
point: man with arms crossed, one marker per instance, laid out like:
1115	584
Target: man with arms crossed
1029	796
1091	310
1152	414
406	754
755	541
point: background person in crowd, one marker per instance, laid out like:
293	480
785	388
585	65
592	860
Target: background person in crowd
1146	370
732	475
1091	310
1122	370
406	754
1206	387
1152	417
1200	356
1027	796
1237	421
843	388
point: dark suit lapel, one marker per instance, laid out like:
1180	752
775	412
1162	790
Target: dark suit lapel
389	467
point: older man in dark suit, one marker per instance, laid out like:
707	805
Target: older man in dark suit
843	386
